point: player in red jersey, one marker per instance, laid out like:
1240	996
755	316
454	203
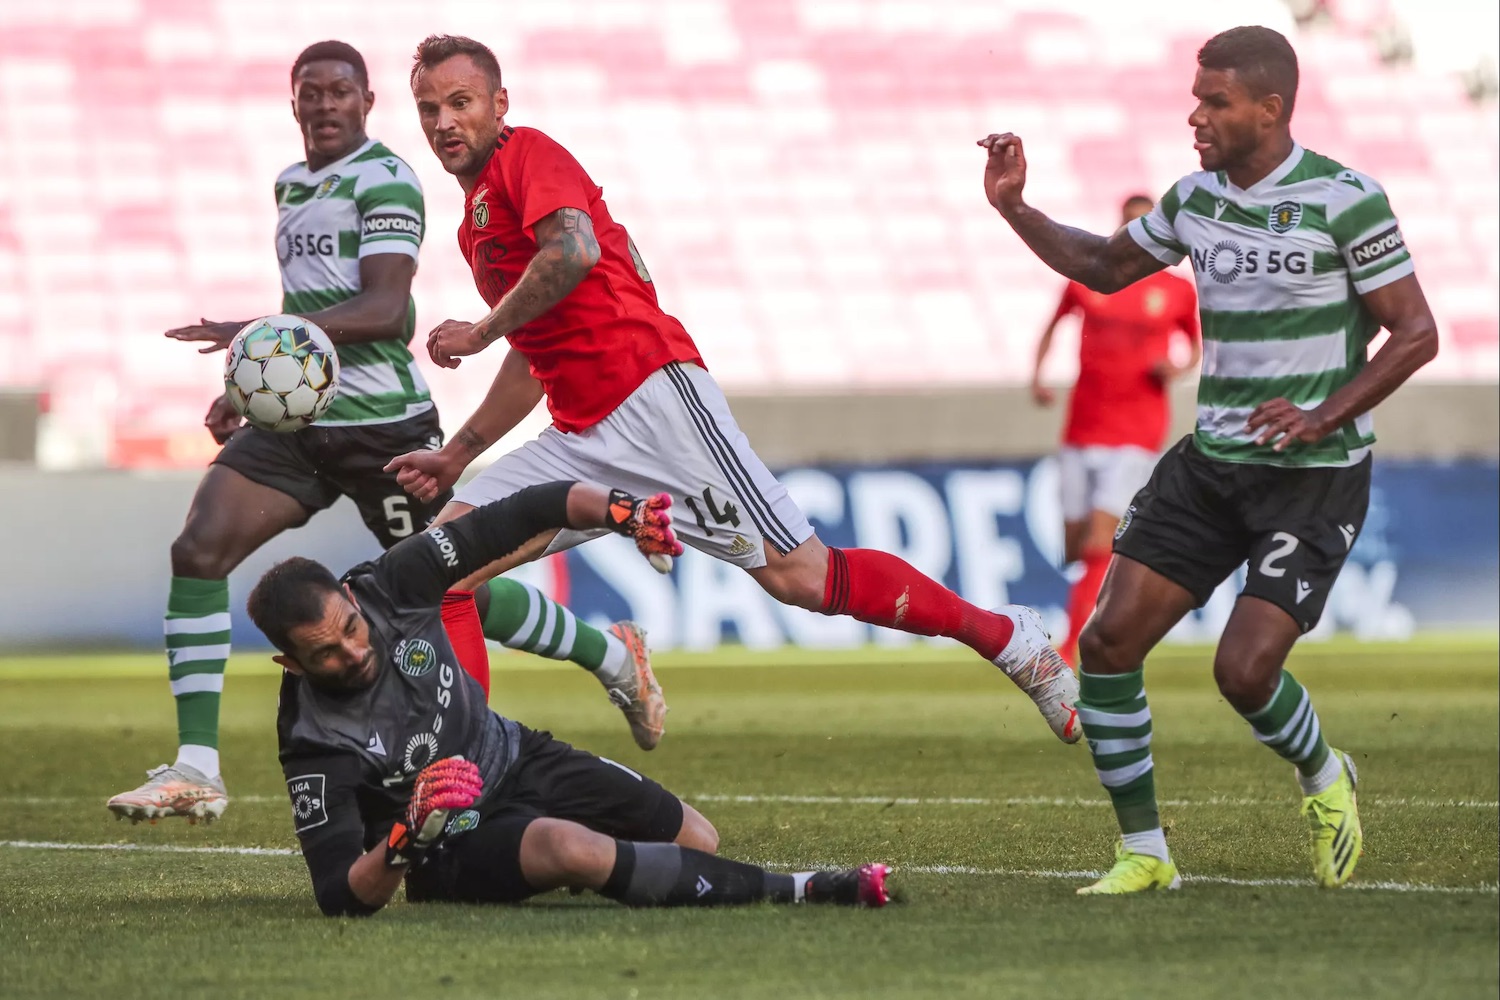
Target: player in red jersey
1118	411
630	398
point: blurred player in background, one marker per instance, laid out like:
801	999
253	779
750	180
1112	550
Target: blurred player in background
1299	262
350	222
1118	412
630	399
397	769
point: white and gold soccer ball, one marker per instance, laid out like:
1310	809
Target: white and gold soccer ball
281	372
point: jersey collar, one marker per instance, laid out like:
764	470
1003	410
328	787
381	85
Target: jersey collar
343	162
1275	176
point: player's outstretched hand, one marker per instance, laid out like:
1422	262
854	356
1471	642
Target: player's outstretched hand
425	474
649	522
218	335
223	419
442	786
1285	423
1004	170
453	339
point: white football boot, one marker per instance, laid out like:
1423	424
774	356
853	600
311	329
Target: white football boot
173	790
1038	669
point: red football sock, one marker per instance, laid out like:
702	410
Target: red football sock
1082	599
882	589
466	633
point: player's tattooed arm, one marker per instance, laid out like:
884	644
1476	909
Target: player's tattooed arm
567	250
1101	263
513	394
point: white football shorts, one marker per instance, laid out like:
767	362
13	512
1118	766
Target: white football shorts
673	435
1100	477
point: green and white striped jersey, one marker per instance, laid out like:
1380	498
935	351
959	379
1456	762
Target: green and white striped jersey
370	202
1280	268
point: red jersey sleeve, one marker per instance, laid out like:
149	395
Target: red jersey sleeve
544	179
1069	303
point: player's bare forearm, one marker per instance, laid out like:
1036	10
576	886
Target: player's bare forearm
1103	264
372	881
1043	347
380	311
1402	309
513	394
567	250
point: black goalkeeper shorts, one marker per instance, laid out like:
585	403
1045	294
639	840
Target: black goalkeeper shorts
549	779
1199	519
317	465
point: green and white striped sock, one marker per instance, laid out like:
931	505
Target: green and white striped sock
1289	725
1117	724
521	617
197	638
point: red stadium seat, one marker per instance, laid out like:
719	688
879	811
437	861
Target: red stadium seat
800	176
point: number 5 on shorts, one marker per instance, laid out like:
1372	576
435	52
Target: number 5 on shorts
397	515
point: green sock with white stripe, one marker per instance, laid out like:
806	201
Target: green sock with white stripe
197	636
1117	724
521	617
1289	725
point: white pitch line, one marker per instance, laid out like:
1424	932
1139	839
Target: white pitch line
1251	883
58	845
895	800
890	800
1042	873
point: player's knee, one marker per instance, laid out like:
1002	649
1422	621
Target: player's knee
198	558
798	578
1106	646
697	832
1247	677
797	586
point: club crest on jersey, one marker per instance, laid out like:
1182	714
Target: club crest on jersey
1285	216
328	186
415	657
481	214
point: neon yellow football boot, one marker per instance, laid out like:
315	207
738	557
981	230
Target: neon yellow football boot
1333	818
1134	873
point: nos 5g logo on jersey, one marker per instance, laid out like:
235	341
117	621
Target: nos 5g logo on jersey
1226	261
291	244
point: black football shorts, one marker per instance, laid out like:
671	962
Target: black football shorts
549	779
317	465
1199	519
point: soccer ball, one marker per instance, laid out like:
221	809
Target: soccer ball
281	373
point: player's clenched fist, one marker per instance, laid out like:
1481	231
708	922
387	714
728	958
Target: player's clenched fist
442	786
453	339
1004	170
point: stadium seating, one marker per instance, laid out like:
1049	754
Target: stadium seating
799	174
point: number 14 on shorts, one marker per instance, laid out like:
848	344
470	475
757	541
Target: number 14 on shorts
728	513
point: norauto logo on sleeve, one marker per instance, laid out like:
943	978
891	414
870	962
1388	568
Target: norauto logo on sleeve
1378	246
381	223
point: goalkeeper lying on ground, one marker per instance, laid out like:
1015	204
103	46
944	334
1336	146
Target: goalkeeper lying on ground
397	768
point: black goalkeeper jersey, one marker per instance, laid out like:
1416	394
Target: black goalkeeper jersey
350	759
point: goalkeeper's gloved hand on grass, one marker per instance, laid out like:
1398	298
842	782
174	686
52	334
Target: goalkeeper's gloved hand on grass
442	786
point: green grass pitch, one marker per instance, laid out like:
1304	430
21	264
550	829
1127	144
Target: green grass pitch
919	757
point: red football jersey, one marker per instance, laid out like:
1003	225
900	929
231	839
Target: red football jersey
1118	400
597	345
